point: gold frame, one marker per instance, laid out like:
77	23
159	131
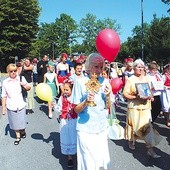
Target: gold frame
93	86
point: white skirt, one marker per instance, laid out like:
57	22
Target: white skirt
68	136
93	151
165	99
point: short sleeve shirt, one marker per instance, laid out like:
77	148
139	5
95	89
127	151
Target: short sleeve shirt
91	119
11	89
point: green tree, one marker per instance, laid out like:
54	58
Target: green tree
159	39
87	30
156	41
43	44
66	27
19	26
124	52
56	37
63	35
134	43
168	3
89	27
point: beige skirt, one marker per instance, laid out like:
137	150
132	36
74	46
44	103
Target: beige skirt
139	127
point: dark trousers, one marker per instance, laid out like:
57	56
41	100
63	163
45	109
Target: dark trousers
156	107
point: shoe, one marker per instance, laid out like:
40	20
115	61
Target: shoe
50	116
31	111
28	111
131	145
23	135
152	154
16	142
70	163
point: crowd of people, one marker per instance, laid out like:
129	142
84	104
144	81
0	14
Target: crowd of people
82	95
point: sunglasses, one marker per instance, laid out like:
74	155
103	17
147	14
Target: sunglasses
13	71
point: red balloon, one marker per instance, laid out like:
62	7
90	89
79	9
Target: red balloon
108	44
116	84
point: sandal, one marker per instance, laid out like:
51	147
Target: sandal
70	163
16	142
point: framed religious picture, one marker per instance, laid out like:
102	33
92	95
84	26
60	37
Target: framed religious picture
143	90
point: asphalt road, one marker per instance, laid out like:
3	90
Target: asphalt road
41	149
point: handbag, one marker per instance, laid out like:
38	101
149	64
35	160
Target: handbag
115	131
152	137
23	90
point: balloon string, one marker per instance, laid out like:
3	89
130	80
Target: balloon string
109	72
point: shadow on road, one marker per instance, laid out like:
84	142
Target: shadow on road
140	153
160	126
44	109
54	137
9	131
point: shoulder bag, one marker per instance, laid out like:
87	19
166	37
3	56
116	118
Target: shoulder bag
23	90
115	131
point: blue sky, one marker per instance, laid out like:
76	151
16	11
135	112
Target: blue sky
127	13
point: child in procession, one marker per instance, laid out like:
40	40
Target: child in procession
68	119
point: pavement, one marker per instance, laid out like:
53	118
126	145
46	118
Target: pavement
40	150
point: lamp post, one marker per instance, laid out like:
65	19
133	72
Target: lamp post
142	45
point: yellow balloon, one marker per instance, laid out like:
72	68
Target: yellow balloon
44	92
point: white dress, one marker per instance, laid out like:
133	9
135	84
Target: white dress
92	128
68	133
165	98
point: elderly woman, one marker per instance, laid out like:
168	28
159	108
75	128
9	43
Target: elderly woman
92	124
14	103
139	110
